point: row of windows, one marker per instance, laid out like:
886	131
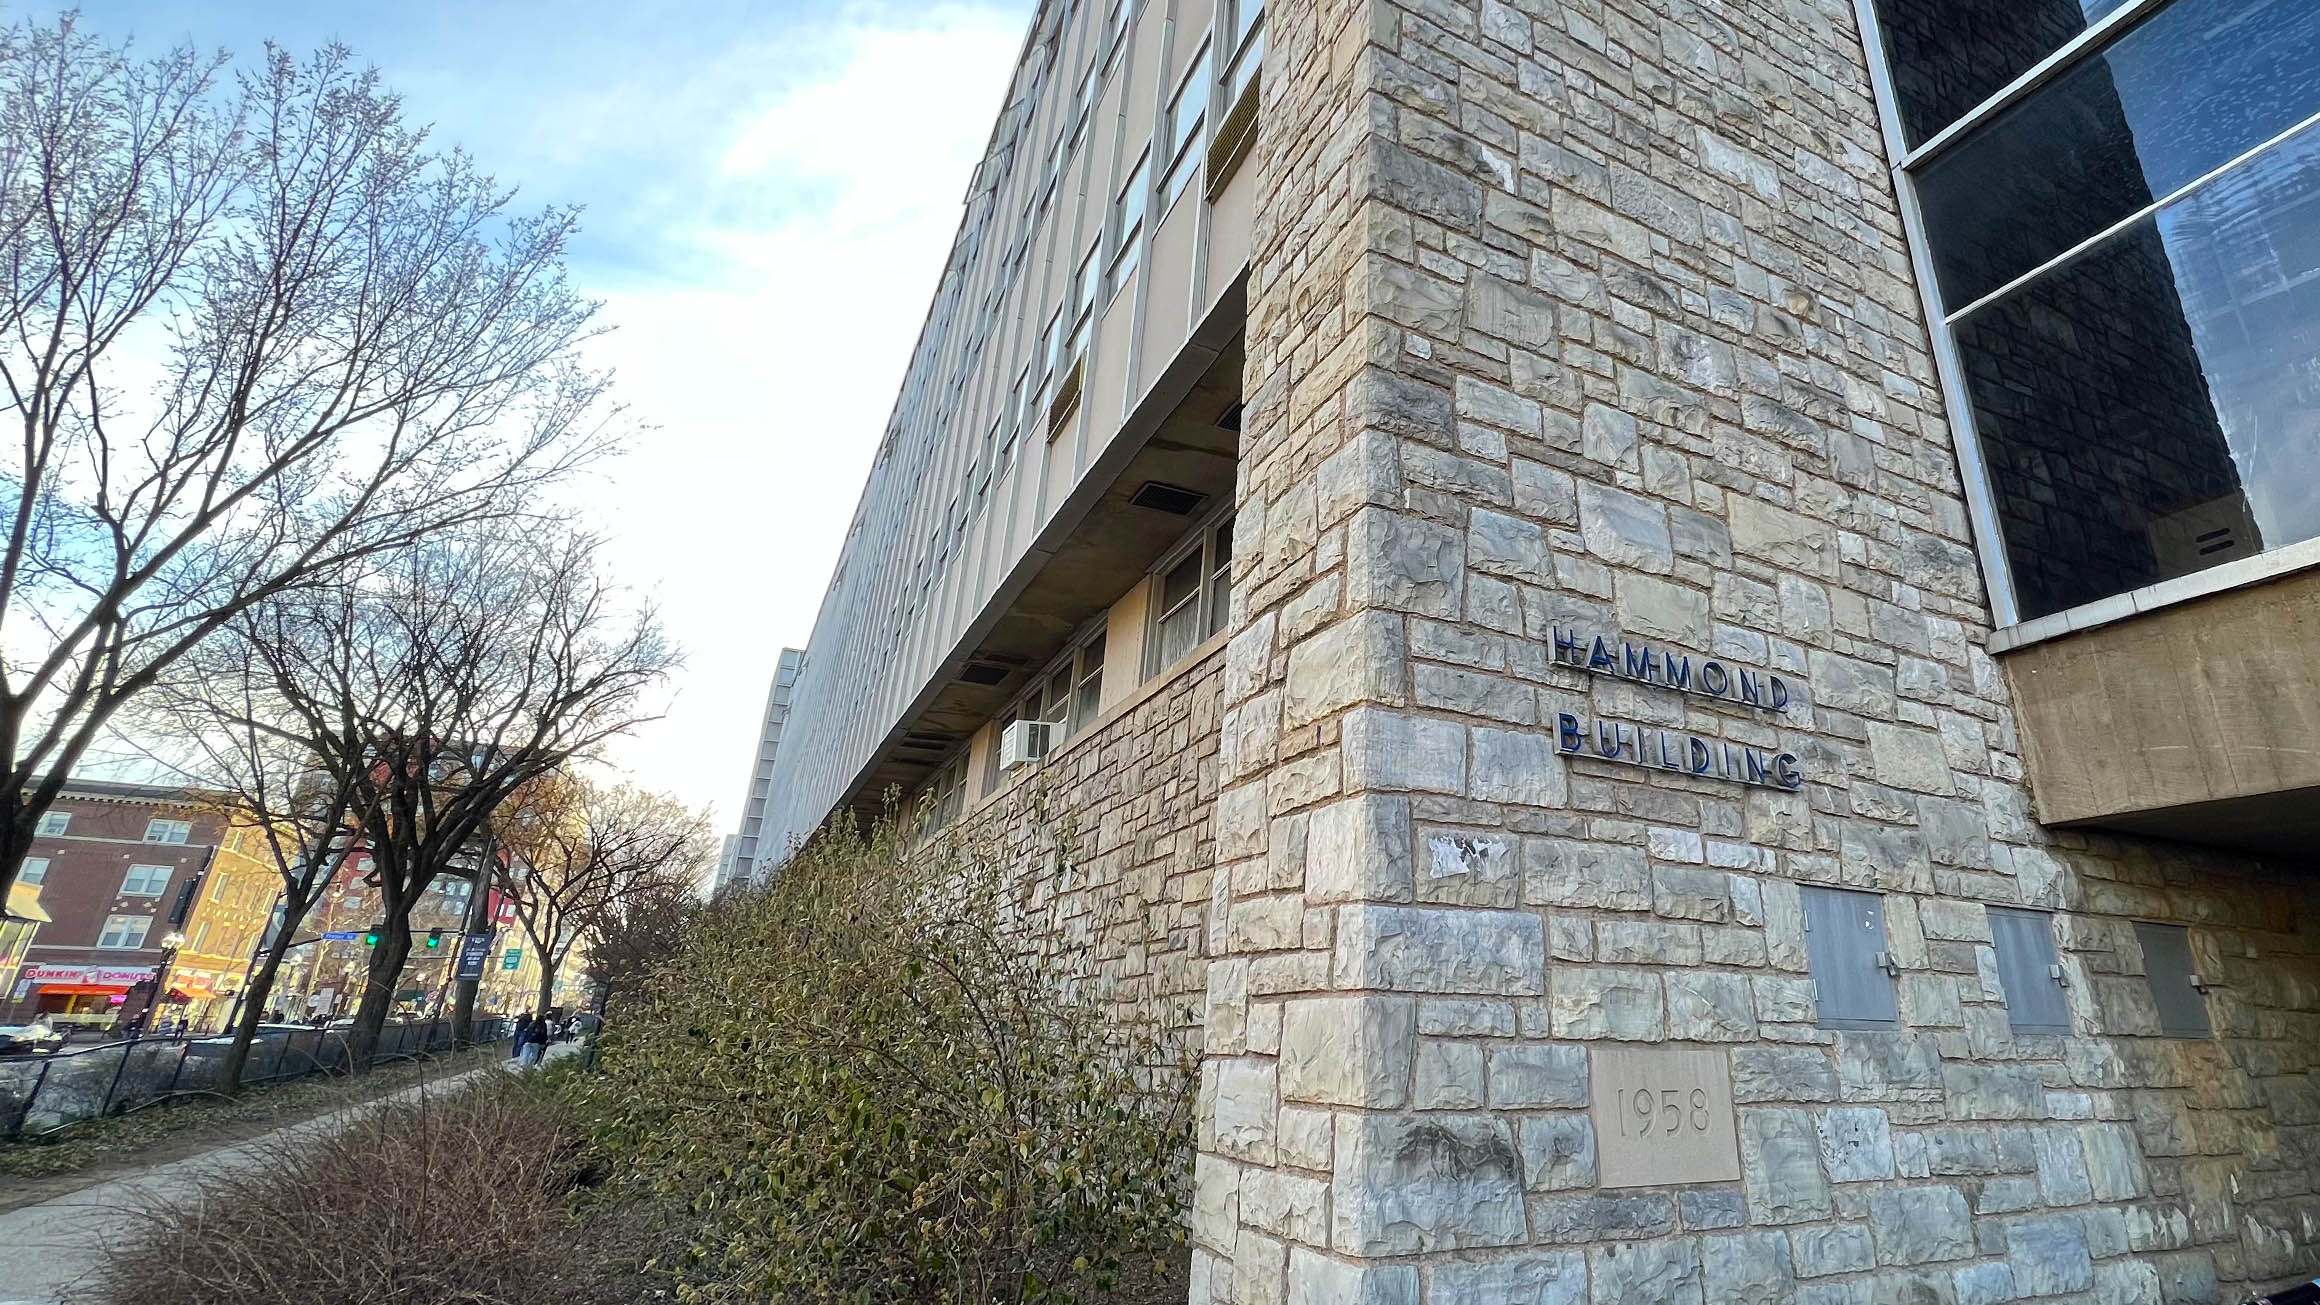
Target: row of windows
54	824
141	881
1853	968
1044	388
2119	203
1190	591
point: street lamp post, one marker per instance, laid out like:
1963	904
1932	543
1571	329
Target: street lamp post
170	942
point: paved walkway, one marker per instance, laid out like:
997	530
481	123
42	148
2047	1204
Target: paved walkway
46	1249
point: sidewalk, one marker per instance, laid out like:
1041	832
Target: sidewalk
55	1244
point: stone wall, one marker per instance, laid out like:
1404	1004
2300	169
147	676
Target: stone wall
1567	313
1113	841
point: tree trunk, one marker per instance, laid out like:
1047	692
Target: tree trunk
386	970
254	997
548	967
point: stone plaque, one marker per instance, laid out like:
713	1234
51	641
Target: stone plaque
1662	1116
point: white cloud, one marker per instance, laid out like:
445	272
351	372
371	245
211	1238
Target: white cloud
770	377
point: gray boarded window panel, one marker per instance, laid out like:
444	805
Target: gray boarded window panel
2026	962
2168	968
1845	939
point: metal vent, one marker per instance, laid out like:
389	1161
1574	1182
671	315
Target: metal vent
982	673
1230	418
1172	499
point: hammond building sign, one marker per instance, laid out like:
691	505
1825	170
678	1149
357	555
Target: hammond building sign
1659	748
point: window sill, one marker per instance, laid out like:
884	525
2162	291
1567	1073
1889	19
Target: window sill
2245	573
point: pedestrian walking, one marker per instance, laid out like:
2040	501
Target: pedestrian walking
535	1043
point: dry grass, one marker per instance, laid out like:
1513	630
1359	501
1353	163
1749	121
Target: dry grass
457	1200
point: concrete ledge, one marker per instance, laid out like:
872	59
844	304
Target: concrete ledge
2199	722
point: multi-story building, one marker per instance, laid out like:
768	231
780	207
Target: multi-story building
21	916
1687	626
739	861
230	913
118	868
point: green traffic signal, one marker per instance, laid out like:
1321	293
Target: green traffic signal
434	937
371	939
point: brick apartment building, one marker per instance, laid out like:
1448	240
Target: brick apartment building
118	868
1687	625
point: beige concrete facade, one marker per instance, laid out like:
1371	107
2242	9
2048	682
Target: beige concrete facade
2198	722
1521	961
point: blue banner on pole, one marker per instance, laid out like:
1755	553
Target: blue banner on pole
473	952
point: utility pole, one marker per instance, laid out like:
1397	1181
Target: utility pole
478	924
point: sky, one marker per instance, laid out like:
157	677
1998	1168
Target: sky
770	188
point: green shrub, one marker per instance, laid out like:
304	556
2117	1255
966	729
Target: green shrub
860	1085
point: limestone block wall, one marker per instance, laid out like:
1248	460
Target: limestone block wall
1579	314
1112	841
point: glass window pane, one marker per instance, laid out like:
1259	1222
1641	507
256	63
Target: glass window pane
1191	101
1950	55
1058	696
1220	578
1089	698
2183	94
34	872
2152	408
1179	634
1181	584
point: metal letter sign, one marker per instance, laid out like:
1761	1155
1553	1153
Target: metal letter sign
473	955
1662	1116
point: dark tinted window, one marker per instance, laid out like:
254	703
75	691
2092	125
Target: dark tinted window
2152	408
2184	93
1950	55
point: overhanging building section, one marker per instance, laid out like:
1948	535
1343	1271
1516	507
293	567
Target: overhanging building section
1083	342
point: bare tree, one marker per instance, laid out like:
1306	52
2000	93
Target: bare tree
638	933
449	676
253	330
578	849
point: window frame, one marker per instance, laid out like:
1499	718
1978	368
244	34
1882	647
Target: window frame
183	828
1187	143
2011	629
1030	702
62	820
125	943
151	889
1126	234
26	875
1201	539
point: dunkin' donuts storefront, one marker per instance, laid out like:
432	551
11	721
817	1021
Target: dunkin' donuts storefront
84	995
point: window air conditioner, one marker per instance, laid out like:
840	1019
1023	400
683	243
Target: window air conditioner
1022	743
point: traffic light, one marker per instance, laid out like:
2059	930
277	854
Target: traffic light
371	939
434	937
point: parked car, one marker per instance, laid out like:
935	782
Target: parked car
34	1039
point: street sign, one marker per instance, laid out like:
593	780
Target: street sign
473	953
343	935
514	960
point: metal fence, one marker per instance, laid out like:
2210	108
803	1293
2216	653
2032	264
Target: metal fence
41	1094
